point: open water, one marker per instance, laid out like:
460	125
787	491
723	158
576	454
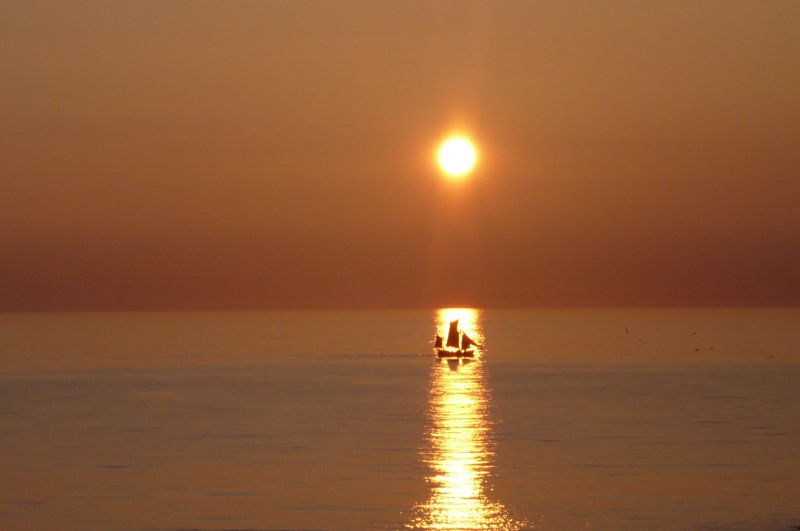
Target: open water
565	420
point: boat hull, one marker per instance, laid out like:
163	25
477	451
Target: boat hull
455	353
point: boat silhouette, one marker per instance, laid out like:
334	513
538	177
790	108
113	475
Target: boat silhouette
458	344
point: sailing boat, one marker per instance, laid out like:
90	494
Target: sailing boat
458	343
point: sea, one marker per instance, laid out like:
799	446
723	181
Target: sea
612	419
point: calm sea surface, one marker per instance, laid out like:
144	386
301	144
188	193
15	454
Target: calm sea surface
565	420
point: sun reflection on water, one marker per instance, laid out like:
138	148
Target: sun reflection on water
459	450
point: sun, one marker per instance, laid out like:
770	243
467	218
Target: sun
457	156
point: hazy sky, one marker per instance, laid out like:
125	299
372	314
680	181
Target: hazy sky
280	154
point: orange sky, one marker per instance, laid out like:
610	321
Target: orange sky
280	154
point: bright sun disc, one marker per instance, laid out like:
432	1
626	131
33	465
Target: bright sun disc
457	156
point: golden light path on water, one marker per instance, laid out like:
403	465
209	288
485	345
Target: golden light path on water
459	451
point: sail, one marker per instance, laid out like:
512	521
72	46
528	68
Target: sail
452	334
438	342
466	341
